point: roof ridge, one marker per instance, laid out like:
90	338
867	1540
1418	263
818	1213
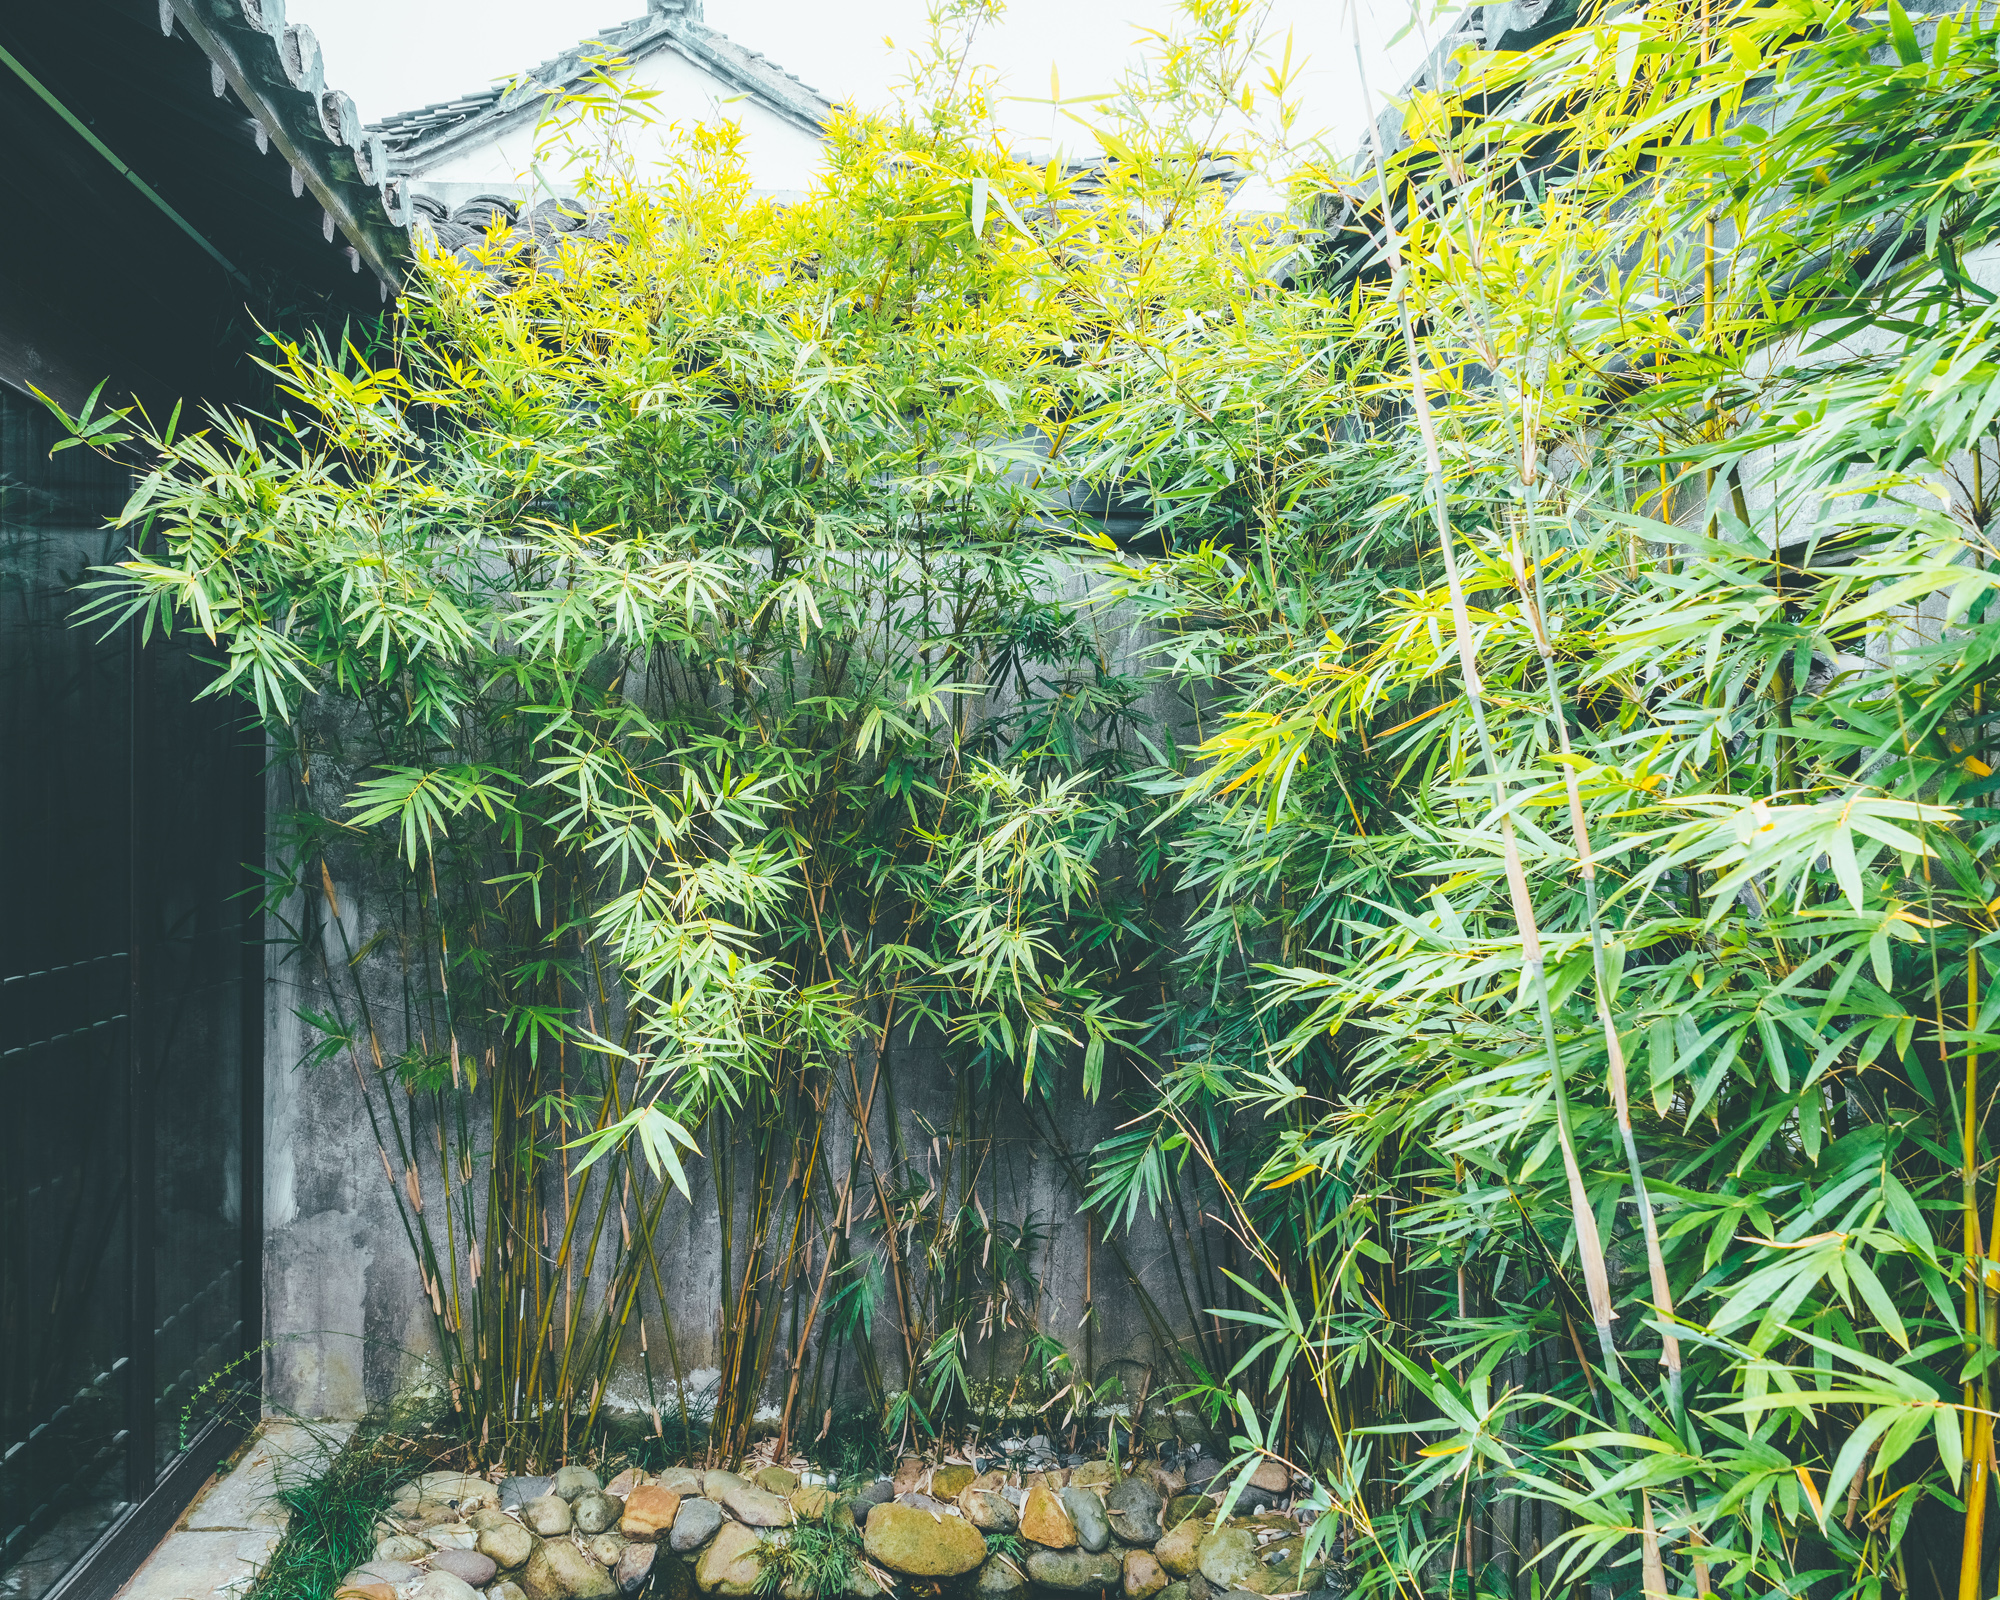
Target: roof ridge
403	131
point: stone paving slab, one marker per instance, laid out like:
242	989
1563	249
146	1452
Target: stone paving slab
222	1543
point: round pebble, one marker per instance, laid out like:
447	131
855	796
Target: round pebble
474	1568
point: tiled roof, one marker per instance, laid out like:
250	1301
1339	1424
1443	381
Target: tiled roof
274	68
416	139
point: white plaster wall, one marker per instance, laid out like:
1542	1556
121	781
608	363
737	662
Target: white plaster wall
782	157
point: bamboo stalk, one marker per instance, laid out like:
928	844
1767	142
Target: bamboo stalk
1590	1249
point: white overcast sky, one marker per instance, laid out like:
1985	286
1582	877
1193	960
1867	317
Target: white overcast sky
392	55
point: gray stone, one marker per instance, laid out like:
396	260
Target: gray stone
874	1494
437	1584
474	1568
573	1481
999	1579
548	1516
749	1505
1093	1528
402	1547
517	1492
380	1571
1133	1507
1204	1468
682	1481
694	1525
595	1511
1228	1558
559	1571
1076	1571
989	1512
509	1546
605	1548
451	1536
635	1566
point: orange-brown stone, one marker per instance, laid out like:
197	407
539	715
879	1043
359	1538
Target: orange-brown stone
1044	1520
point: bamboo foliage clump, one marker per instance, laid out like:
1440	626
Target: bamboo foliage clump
665	646
1510	836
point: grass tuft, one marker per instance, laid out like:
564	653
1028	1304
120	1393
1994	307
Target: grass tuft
334	1514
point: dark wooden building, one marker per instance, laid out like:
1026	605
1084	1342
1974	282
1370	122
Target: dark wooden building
177	175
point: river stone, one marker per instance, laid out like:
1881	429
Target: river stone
438	1584
861	1584
1075	1570
402	1547
1272	1477
425	1512
777	1480
1144	1576
594	1511
626	1481
1181	1507
634	1567
694	1525
365	1591
1166	1481
506	1589
874	1493
811	1502
573	1481
480	1521
1086	1511
508	1545
559	1571
759	1508
682	1481
1095	1475
947	1483
1179	1550
1044	1520
379	1571
1132	1506
730	1564
517	1492
450	1487
1177	1590
999	1579
713	1483
649	1510
1204	1468
1281	1574
1228	1558
474	1568
548	1516
451	1536
909	1473
922	1544
989	1512
605	1548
